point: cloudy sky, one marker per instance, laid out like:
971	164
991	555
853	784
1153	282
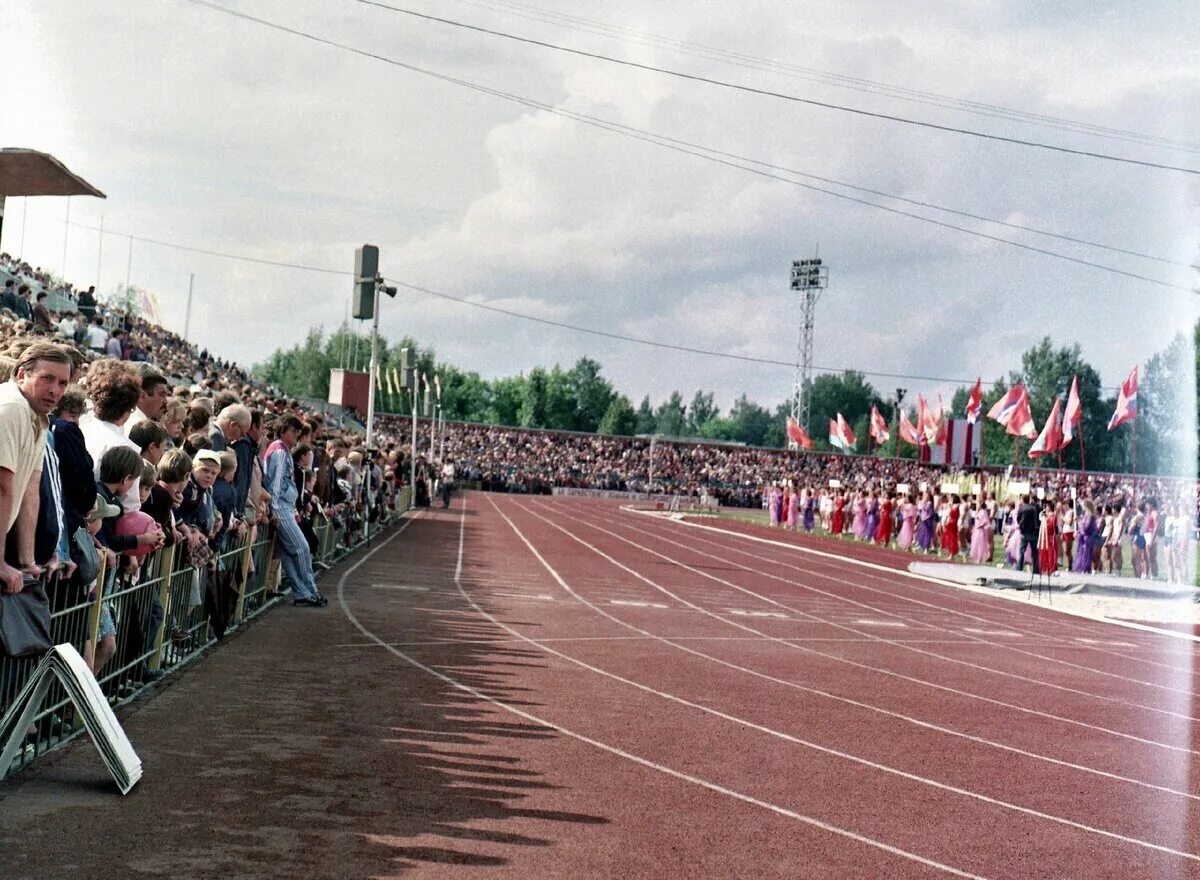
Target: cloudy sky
223	134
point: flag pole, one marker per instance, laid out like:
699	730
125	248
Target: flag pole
1133	447
1082	451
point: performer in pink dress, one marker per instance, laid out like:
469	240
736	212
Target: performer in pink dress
981	535
859	523
774	504
793	507
908	524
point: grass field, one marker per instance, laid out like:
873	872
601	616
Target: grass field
759	517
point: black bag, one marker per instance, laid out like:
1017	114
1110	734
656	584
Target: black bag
25	622
85	556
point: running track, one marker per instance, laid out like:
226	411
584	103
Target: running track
608	694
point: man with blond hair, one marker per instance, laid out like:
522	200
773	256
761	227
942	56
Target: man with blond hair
42	374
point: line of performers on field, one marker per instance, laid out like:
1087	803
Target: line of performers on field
1046	534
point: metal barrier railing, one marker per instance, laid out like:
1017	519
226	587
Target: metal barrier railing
166	613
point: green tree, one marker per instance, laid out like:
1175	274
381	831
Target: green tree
504	401
830	393
533	400
559	409
646	423
669	417
776	434
1166	421
619	418
593	394
702	409
749	421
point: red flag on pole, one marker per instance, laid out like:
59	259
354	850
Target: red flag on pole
845	433
1126	410
879	431
1020	419
908	433
1002	410
1050	440
1073	414
975	402
798	435
930	421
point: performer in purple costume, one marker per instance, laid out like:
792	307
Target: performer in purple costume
925	525
810	510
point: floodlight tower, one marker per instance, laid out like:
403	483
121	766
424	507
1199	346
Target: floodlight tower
809	277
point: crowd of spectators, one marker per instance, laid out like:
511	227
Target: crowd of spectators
118	438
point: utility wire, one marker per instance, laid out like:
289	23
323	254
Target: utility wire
631	35
596	56
693	150
512	313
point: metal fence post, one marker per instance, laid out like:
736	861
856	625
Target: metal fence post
165	569
239	613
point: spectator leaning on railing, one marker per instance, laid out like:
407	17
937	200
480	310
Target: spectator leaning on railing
39	380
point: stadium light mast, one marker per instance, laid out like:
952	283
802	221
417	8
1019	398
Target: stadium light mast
809	278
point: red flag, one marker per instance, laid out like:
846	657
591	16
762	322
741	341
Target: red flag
975	402
930	421
908	433
1050	440
835	436
1020	420
1002	410
798	435
879	429
1126	410
1073	414
844	431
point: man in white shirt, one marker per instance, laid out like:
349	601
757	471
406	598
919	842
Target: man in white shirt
97	336
66	327
114	387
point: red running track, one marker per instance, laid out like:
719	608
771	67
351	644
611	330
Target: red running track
560	688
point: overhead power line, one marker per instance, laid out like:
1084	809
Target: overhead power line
640	36
858	111
512	313
726	159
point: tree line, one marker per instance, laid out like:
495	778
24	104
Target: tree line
580	398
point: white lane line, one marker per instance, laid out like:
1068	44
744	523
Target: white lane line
1106	643
954	660
866	621
993	632
826	750
636	603
613	750
858	665
538	597
741	612
408	587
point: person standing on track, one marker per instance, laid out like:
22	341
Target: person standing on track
294	553
1029	523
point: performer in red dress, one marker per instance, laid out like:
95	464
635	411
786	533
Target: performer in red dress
1048	541
883	532
839	514
950	532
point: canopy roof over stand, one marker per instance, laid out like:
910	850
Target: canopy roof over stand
30	173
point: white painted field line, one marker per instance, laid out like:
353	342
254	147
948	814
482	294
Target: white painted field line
406	587
610	749
980	591
741	612
866	621
903	646
636	603
1028	811
994	632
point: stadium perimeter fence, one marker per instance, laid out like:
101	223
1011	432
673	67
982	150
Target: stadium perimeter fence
167	616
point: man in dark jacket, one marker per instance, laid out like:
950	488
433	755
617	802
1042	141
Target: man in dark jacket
1028	523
